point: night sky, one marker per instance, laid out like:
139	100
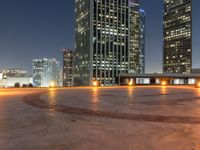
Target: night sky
41	28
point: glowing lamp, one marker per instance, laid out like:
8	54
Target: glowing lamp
163	83
198	85
52	84
95	83
130	83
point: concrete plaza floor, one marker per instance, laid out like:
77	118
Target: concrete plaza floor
116	118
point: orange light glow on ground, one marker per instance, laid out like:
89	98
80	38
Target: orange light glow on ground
95	94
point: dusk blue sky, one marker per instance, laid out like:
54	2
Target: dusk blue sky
41	28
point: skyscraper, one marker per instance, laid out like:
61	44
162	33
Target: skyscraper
68	67
107	40
46	71
134	50
177	54
142	41
41	72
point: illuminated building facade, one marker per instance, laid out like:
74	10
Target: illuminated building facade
9	77
142	42
68	67
177	55
56	72
14	73
134	50
107	40
41	72
46	71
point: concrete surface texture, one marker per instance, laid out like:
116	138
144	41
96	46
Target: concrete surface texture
93	118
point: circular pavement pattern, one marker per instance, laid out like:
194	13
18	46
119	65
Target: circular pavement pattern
177	98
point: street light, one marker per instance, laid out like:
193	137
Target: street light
163	83
52	84
130	83
198	84
95	83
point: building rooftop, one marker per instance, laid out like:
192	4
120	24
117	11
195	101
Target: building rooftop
149	75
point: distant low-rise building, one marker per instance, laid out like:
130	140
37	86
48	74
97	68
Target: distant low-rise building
11	77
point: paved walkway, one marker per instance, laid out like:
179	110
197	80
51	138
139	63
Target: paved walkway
119	118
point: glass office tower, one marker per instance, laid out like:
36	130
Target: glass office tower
46	71
134	50
177	55
41	72
107	40
142	42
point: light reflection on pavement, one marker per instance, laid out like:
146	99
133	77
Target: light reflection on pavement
100	118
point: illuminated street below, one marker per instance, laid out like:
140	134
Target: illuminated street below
115	118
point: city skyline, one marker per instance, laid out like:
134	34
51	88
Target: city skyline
29	31
72	74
